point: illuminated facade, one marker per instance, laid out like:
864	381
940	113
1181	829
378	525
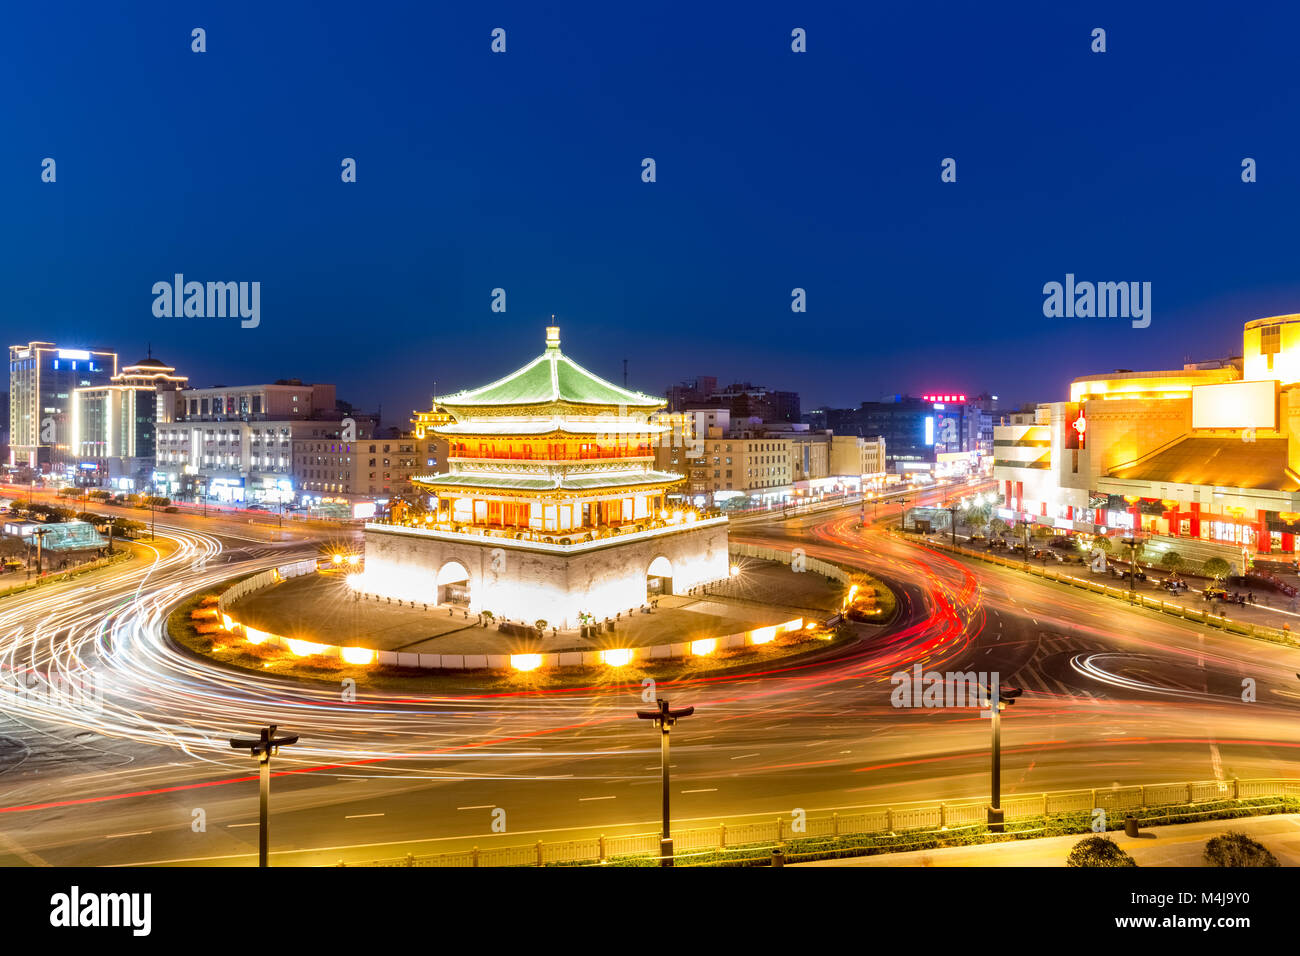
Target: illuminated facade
42	381
1203	457
551	507
115	426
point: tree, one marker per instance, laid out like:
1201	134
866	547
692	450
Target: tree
124	528
1098	851
1042	532
1171	561
997	528
1216	568
1103	544
1237	849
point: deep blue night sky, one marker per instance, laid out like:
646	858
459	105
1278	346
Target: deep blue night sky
775	170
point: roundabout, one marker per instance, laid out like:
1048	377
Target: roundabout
307	621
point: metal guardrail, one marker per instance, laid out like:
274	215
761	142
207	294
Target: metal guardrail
1259	631
853	821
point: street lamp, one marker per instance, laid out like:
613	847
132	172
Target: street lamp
1134	542
263	747
39	534
664	719
282	486
1006	697
952	520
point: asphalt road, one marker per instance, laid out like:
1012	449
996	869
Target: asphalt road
127	774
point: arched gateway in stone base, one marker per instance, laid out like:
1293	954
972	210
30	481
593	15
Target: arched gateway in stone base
551	508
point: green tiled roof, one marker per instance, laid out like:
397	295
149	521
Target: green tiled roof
597	480
545	426
552	377
585	482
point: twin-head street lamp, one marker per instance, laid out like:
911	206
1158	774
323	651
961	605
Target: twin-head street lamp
664	719
1006	697
263	747
1134	542
39	534
952	521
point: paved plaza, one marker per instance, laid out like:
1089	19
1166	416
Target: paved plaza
321	608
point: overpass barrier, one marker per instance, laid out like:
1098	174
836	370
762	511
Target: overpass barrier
853	822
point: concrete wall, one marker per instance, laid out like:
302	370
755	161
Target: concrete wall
522	584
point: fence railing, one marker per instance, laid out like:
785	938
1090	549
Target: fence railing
264	580
787	556
55	577
853	821
1262	632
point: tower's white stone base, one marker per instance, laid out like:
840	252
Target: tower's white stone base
528	581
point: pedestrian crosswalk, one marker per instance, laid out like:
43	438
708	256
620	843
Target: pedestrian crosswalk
232	555
1037	675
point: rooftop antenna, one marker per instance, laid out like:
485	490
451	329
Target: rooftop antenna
625	373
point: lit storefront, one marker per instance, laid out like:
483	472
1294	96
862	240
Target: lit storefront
1209	453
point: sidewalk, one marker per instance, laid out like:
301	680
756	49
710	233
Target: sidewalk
1181	844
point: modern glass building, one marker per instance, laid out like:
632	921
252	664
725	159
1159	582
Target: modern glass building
43	379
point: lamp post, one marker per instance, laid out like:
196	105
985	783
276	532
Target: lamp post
39	534
263	747
1133	542
952	519
1006	697
902	513
664	718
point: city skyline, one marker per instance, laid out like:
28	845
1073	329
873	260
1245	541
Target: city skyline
572	439
385	285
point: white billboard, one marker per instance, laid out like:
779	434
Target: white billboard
1235	405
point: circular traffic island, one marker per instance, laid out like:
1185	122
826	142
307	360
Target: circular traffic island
304	623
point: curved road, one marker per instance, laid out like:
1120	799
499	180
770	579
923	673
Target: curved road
113	747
